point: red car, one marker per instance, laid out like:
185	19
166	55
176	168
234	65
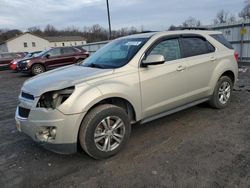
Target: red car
6	58
13	63
52	58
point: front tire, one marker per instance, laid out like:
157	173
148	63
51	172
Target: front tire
37	69
104	131
222	93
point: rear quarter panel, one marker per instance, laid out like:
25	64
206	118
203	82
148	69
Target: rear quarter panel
225	62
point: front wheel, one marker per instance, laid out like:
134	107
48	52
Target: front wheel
104	131
37	69
222	93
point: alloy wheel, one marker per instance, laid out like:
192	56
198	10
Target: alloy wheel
109	133
224	92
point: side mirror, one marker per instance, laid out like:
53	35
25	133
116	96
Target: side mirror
47	56
155	59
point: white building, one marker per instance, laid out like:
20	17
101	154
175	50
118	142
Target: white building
28	42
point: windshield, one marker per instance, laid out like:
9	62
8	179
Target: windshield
42	53
33	54
115	54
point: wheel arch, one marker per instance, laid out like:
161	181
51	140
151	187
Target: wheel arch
38	63
229	74
120	102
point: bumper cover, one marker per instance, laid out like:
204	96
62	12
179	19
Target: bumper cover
67	126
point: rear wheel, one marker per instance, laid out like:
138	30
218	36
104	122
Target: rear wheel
222	93
37	69
104	131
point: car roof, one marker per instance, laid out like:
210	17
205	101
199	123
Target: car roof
176	32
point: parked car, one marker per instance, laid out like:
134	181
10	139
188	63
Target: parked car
6	58
13	63
52	58
137	78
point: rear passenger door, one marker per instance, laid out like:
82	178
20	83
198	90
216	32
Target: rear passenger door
200	58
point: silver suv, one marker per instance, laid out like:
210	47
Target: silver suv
136	78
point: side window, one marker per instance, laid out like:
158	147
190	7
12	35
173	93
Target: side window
67	51
169	48
193	46
55	52
220	38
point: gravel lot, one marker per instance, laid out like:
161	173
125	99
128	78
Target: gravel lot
197	147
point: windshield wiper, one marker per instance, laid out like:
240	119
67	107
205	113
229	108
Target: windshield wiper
94	65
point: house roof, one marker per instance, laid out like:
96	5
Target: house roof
64	38
51	38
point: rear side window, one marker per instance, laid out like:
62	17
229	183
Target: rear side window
220	38
68	51
193	46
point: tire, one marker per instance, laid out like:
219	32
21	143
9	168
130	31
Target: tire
79	61
37	69
93	128
222	93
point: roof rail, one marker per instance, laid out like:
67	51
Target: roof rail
193	28
148	31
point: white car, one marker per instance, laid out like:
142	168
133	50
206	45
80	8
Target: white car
137	78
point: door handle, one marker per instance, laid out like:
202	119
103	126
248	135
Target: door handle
181	68
212	58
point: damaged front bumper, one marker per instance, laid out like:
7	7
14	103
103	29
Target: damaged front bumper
50	127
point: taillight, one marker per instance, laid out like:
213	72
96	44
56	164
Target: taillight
236	55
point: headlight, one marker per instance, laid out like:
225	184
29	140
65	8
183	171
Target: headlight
53	99
26	61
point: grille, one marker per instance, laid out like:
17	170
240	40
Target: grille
21	65
27	96
23	112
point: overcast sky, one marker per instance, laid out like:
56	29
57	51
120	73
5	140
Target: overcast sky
151	14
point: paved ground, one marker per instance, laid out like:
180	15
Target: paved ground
198	147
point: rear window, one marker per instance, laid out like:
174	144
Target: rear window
220	38
193	46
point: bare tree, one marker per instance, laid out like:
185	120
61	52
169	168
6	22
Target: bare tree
191	22
35	30
245	12
50	30
224	17
172	28
6	34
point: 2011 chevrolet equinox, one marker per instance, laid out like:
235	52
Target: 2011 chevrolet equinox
135	78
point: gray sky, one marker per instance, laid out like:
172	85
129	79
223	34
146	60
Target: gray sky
151	14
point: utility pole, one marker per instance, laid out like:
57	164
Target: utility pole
109	37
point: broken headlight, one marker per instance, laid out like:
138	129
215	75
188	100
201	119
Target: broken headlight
53	99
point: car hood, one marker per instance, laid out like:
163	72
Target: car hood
23	59
31	59
62	78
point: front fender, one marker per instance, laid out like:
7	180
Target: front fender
80	100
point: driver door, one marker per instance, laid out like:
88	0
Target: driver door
54	59
164	86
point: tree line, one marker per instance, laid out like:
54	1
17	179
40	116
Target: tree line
97	33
